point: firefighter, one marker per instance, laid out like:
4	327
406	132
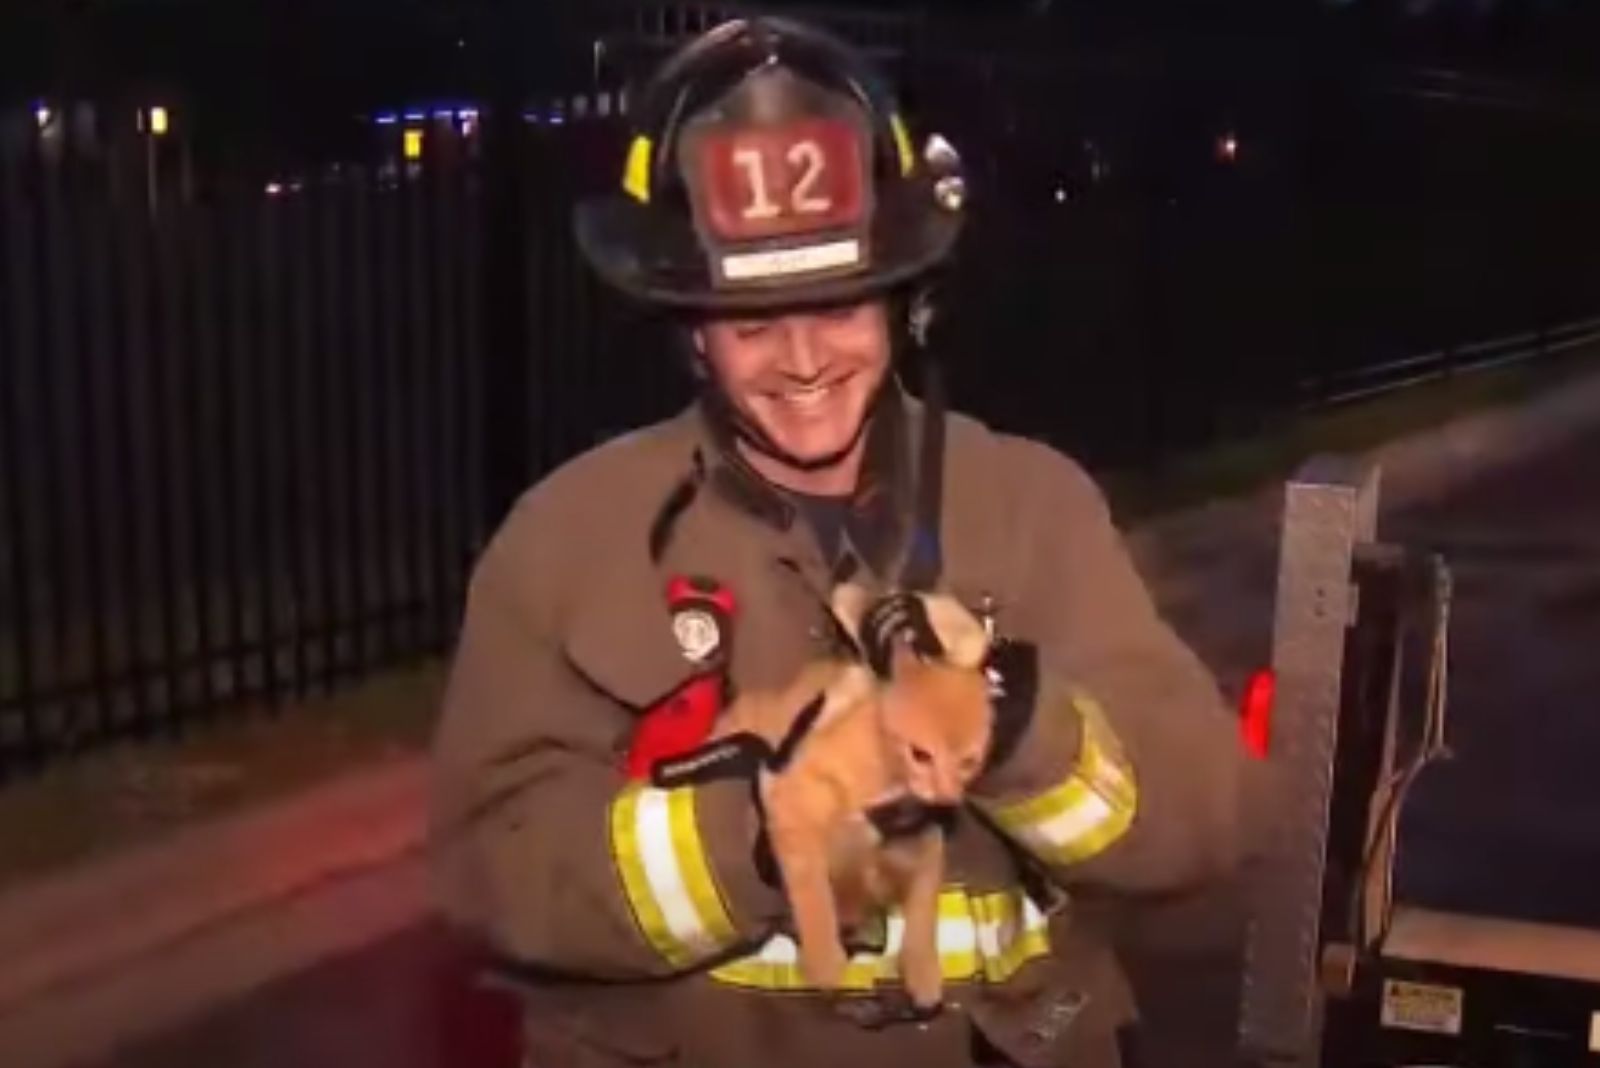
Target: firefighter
776	200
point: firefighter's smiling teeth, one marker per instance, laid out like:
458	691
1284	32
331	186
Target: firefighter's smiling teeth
808	398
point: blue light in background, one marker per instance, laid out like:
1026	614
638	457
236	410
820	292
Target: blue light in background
458	112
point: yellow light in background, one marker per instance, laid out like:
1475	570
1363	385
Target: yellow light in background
158	121
412	144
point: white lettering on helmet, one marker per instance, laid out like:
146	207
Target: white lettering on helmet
747	265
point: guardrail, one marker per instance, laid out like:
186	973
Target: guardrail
1323	391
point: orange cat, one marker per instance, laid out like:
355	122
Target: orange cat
877	746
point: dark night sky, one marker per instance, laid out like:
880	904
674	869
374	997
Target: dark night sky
267	49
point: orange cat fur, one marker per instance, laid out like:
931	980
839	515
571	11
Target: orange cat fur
921	734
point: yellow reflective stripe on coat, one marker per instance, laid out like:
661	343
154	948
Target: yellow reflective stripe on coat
1085	814
655	839
988	937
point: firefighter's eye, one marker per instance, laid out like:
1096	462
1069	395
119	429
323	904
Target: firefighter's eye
748	331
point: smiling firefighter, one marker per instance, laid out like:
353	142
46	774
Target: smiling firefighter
774	196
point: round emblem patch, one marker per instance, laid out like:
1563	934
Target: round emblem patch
698	634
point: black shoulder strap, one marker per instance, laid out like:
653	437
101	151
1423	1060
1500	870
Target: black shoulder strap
924	561
672	509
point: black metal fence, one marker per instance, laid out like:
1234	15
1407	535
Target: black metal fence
238	451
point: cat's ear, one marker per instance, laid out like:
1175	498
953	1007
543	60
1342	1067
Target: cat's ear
965	641
849	603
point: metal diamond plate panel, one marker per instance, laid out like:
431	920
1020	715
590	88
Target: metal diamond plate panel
1330	508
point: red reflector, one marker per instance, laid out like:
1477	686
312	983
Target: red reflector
1256	712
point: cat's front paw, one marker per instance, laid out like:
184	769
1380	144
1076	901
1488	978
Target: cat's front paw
923	978
886	1009
823	964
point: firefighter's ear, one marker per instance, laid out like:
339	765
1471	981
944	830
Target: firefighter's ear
689	341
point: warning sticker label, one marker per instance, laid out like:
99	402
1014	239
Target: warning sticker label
1421	1007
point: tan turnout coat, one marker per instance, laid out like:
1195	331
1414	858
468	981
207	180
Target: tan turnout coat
633	921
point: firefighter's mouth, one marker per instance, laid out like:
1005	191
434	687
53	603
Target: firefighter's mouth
806	398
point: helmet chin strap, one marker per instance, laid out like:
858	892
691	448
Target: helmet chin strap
737	426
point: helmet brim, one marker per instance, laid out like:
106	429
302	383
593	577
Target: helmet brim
655	258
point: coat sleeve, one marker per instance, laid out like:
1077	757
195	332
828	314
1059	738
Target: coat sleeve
542	849
1130	771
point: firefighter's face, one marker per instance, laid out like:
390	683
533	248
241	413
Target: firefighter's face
805	379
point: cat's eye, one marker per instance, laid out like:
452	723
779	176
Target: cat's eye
921	755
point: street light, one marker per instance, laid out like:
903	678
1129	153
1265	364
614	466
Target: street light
158	121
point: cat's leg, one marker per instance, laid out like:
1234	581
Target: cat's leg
798	826
919	952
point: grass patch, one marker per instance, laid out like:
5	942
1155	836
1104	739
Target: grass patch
134	792
1241	466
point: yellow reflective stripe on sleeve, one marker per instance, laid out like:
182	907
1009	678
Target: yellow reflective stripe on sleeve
1084	815
656	841
636	173
635	881
986	937
696	870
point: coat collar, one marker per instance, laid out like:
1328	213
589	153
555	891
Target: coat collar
621	636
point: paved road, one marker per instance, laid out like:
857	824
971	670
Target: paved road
1510	825
409	1001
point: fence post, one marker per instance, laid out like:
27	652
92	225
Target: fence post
505	380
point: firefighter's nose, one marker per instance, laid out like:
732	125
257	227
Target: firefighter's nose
802	356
